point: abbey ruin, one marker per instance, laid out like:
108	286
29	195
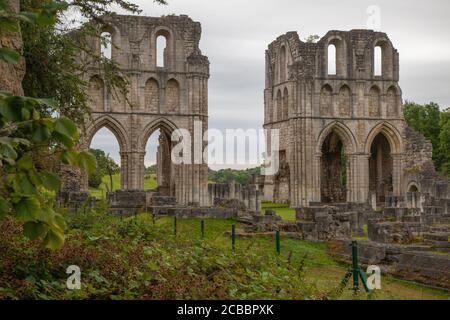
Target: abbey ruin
343	134
347	159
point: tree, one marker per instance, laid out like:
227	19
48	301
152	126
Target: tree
27	137
105	166
312	38
444	138
52	54
434	124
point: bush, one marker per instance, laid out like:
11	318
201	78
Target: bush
132	259
95	180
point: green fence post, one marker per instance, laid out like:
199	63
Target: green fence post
203	229
233	237
175	226
278	242
355	266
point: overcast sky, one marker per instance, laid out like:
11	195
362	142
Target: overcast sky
236	34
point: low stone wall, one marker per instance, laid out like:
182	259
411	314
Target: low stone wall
127	202
187	213
74	200
414	263
324	225
393	232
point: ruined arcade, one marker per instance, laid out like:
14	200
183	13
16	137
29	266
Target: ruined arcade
338	106
170	96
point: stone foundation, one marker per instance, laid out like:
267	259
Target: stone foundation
414	263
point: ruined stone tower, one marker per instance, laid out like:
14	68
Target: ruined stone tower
167	97
338	106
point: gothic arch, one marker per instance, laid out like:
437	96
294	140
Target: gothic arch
110	123
387	56
340	62
286	104
282	67
391	134
96	92
345	101
326	101
279	105
152	96
374	102
162	123
173	99
392	102
170	45
344	133
413	186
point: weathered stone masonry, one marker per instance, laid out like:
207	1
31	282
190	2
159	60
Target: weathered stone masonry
167	98
343	133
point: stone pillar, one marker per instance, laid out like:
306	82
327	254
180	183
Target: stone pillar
397	174
132	170
362	178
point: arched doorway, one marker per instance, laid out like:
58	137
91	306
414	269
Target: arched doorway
158	163
381	168
107	178
333	170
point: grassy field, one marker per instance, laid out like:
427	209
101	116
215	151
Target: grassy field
281	209
149	184
320	269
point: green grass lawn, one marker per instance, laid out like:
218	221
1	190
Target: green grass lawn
283	210
150	183
320	269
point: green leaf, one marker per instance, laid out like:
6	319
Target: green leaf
7	152
55	6
35	230
27	209
87	161
54	239
60	222
9	55
64	140
11	109
23	185
50	181
48	102
40	133
25	163
69	157
29	17
66	127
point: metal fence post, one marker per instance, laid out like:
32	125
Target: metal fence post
203	229
278	242
233	237
175	226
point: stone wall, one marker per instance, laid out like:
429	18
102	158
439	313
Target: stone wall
413	263
165	98
11	75
243	198
357	106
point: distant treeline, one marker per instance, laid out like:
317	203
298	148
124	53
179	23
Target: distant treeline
230	175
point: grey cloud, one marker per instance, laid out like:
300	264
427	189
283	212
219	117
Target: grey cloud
236	34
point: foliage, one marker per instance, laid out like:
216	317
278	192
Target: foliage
151	170
230	175
105	166
130	258
53	55
312	38
434	124
27	137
